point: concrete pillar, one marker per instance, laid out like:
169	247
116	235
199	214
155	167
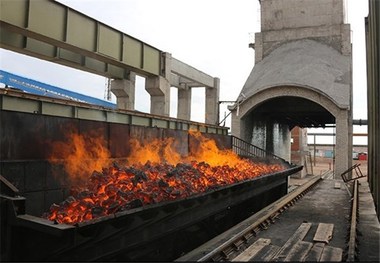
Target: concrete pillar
124	90
159	89
299	151
184	103
235	122
259	133
212	103
277	137
342	143
281	141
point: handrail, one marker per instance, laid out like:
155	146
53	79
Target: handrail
247	149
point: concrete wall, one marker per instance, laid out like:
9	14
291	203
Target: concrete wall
243	124
282	14
289	20
306	63
303	50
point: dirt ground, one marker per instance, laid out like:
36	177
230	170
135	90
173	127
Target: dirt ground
323	165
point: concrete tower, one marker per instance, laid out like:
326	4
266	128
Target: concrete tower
302	77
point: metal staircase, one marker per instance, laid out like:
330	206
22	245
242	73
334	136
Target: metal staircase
246	149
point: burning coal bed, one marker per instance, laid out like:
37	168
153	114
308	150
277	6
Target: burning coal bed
155	172
119	188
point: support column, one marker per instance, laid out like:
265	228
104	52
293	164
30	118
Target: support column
124	90
299	151
281	139
159	90
258	129
343	138
235	122
184	103
212	103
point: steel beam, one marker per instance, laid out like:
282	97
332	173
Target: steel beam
74	39
29	103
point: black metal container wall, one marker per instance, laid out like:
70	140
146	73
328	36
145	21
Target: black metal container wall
24	151
154	232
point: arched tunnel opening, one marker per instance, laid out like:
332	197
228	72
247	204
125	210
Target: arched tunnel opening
269	124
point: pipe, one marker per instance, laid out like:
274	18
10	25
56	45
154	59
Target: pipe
360	122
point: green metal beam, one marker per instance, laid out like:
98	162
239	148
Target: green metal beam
51	31
34	104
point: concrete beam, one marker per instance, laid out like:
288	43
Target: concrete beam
190	73
182	83
185	77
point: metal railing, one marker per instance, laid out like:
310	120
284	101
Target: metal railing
246	149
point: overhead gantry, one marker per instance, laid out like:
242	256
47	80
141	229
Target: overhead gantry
175	74
54	32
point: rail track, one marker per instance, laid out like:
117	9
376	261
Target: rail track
225	246
235	242
352	238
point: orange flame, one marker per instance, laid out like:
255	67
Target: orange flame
208	151
80	155
155	151
156	173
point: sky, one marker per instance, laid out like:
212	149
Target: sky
210	35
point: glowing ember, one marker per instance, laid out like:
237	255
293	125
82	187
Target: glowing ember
155	173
